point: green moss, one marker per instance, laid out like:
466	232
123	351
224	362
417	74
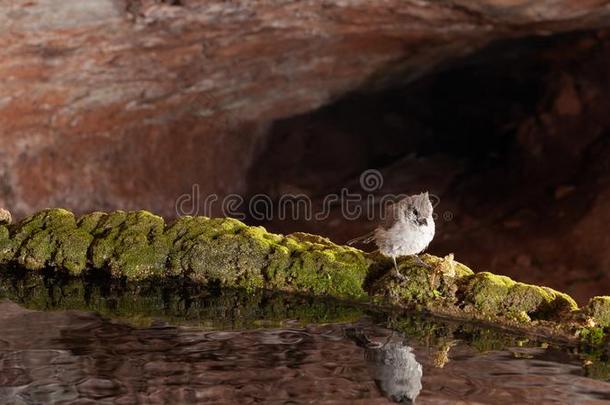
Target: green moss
182	234
106	234
561	305
487	292
88	223
6	248
592	336
51	239
231	260
494	295
594	350
4	233
530	299
519	316
129	244
228	253
418	288
598	308
222	251
279	261
319	266
431	287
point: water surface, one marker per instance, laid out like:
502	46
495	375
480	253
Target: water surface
253	348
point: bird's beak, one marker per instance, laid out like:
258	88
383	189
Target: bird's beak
422	222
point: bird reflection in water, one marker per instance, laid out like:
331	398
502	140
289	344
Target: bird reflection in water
392	365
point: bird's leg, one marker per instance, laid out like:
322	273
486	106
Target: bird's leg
420	262
395	271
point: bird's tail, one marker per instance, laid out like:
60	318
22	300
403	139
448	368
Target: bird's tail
365	239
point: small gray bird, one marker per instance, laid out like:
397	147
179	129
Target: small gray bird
392	366
406	230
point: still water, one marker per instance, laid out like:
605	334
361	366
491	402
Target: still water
201	355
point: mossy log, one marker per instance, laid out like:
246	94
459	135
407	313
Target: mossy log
226	253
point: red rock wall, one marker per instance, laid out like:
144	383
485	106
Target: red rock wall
513	141
126	104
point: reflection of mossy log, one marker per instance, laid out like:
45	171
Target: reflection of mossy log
175	301
183	303
226	253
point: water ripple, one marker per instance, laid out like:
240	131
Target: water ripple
68	357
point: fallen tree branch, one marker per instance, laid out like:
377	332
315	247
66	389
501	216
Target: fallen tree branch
226	253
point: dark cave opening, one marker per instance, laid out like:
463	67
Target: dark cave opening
513	140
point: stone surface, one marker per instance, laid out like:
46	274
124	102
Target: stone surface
128	103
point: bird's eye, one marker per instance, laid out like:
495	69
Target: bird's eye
416	213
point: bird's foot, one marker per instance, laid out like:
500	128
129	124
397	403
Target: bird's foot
420	262
396	274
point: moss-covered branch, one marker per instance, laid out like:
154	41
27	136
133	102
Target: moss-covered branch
226	253
139	246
